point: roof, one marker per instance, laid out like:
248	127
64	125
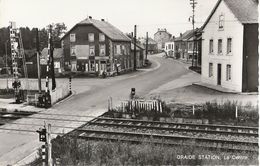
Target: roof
108	29
138	46
162	31
188	35
184	36
246	11
57	53
150	41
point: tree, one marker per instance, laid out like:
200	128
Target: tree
58	30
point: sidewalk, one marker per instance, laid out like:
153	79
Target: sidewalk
215	87
10	107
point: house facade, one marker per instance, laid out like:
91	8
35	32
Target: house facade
162	36
96	46
185	43
169	48
140	54
58	59
230	46
152	45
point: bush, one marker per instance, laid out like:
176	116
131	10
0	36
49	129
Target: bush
71	151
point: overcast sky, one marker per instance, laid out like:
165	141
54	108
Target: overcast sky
148	15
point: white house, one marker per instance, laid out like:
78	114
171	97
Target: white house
169	48
230	45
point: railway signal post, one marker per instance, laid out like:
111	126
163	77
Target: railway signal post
43	138
14	41
46	148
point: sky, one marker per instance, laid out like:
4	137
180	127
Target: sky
148	15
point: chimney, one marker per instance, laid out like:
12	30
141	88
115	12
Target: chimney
158	29
173	37
165	30
180	34
90	17
102	19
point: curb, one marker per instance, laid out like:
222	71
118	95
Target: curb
227	92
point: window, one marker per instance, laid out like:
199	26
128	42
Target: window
91	37
72	50
229	45
210	69
92	50
101	37
56	65
219	46
211	46
190	46
72	37
228	74
123	49
118	49
102	49
169	46
221	22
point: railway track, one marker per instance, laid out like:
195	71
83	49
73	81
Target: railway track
156	125
177	134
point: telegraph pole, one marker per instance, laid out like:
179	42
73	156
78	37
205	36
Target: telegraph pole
135	48
193	3
38	62
146	48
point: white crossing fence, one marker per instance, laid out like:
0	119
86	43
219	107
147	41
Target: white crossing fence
141	105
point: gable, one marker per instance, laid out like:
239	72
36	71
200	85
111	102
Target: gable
245	11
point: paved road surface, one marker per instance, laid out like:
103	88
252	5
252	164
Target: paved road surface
90	98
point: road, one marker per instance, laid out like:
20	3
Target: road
90	98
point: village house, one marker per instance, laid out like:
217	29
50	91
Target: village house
140	54
169	47
152	45
184	46
162	36
58	59
96	46
230	46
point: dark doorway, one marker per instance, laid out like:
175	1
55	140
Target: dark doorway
219	74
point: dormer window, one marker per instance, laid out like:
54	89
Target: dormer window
221	22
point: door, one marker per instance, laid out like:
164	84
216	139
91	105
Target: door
219	74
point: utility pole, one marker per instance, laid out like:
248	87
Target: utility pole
135	48
193	3
6	65
146	48
38	62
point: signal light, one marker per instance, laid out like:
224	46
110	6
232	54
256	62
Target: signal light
42	135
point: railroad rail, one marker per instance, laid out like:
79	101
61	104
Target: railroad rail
133	137
170	126
177	134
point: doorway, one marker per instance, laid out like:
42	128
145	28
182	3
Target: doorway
219	74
